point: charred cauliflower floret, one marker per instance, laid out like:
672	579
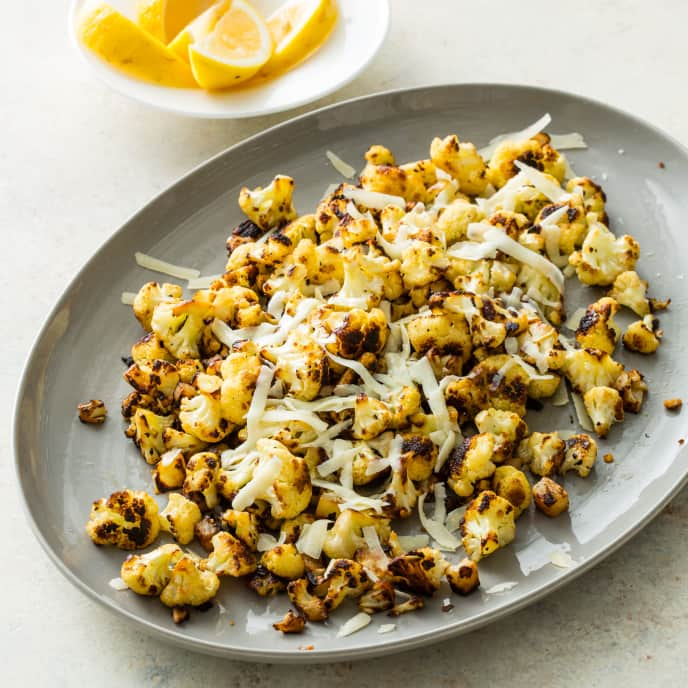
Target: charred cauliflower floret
630	291
419	454
594	198
380	598
284	561
487	525
243	525
201	416
511	484
146	429
462	161
291	623
127	519
453	220
603	256
148	574
580	455
422	264
92	412
150	348
189	585
571	229
605	407
463	577
346	535
643	336
420	570
199	484
180	326
550	497
597	329
468	395
176	439
229	556
279	478
371	417
394	180
632	387
240	371
149	296
542	452
535	152
270	206
505	383
357	332
179	518
404	404
441	332
308	604
508	429
588	368
470	462
170	471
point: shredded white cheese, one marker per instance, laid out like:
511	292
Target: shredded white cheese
387	628
350	498
544	184
157	265
354	624
523	135
372	199
573	321
118	584
266	542
342	167
583	417
203	282
567	141
312	538
410	542
128	298
561	396
561	559
501	587
263	476
437	530
454	518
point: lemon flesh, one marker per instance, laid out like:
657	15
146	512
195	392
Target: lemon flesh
198	29
298	29
237	48
164	19
121	43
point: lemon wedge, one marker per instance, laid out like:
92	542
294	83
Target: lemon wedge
198	29
239	45
124	45
298	28
164	19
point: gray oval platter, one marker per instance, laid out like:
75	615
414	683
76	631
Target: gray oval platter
62	465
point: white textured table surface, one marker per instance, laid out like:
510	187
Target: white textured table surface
78	159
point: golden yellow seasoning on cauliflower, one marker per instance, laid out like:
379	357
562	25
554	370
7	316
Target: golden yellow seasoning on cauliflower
370	358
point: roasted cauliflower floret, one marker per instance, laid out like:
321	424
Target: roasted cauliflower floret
594	198
240	371
199	484
243	525
630	291
550	497
149	296
404	403
511	484
146	429
229	556
580	455
463	577
588	368
420	570
148	574
170	471
380	598
179	518
270	206
308	604
597	329
462	161
394	180
291	623
508	429
643	336
346	535
468	396
441	332
127	519
149	348
180	326
344	578
505	383
571	228
279	478
371	417
419	454
632	388
470	462
284	561
201	416
605	407
542	452
421	264
603	256
453	220
176	439
535	152
379	155
357	332
487	525
189	585
92	412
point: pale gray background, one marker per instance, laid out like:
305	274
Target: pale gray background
76	160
